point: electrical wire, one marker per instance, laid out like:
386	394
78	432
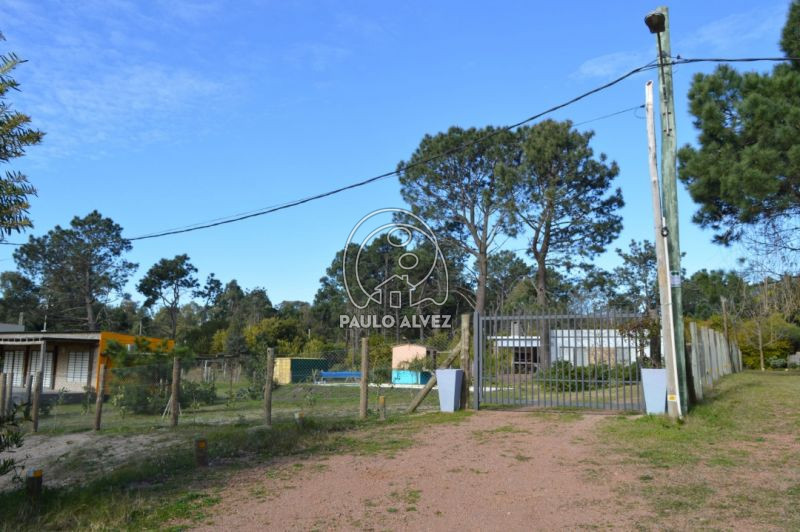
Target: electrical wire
397	172
275	208
628	110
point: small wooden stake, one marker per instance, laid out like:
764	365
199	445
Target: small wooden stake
201	452
382	407
101	390
33	484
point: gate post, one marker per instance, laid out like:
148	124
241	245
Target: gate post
477	360
465	361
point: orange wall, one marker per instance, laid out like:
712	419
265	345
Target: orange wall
124	339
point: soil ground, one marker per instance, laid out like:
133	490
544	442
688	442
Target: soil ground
495	470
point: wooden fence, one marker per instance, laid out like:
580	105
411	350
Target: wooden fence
712	357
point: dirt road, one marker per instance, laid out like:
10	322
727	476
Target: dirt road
495	470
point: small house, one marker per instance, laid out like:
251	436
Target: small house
403	355
580	347
298	369
68	361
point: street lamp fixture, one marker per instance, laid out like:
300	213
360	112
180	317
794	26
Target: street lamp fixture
656	22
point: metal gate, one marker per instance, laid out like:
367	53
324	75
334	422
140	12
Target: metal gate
579	361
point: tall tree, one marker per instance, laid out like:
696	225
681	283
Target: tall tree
15	136
505	271
452	181
20	299
79	266
745	173
636	280
166	282
562	193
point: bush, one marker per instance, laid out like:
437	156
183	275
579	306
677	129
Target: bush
563	376
197	393
777	362
382	375
141	389
134	398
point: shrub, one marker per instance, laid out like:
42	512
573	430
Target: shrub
141	389
197	393
382	375
777	362
10	439
563	376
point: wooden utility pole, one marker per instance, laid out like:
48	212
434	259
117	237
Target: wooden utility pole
362	406
658	22
665	294
270	372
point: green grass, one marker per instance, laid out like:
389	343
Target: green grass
727	457
168	488
318	401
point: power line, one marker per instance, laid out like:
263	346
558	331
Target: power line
367	181
629	109
268	210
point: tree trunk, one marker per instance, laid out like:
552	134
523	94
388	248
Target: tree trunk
541	285
541	301
91	322
483	272
173	318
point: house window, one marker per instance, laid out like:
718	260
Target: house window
13	363
35	365
78	366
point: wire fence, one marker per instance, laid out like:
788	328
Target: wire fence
220	390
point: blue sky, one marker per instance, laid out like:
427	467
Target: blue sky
163	114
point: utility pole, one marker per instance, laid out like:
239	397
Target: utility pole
658	23
664	292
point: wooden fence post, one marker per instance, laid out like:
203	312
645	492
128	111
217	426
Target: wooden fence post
9	393
28	388
465	319
37	399
201	452
269	376
33	485
707	338
382	407
2	395
712	366
101	390
701	358
362	407
176	390
697	381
